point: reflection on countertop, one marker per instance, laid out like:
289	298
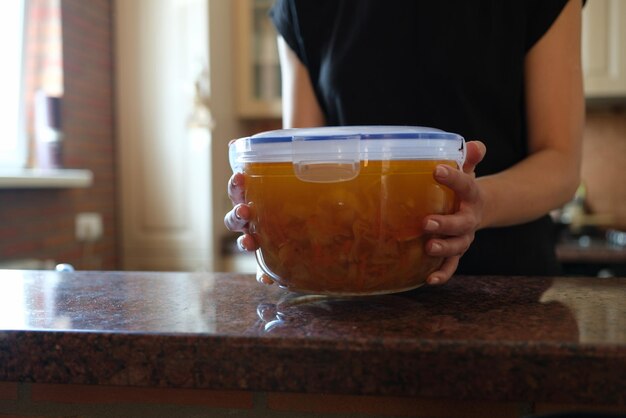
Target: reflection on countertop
474	338
597	304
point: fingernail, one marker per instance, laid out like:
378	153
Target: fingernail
441	171
433	280
435	248
237	215
233	181
240	243
266	280
431	225
263	278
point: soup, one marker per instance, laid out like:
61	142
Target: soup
354	237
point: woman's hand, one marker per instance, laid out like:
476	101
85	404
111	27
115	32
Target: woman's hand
456	231
239	216
238	219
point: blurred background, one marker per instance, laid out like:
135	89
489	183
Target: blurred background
118	114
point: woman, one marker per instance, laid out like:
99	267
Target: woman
508	73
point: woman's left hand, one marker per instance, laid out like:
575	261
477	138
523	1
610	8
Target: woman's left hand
455	232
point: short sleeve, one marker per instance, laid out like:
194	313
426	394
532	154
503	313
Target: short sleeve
306	26
284	16
541	15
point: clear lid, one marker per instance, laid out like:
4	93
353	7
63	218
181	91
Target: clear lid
346	146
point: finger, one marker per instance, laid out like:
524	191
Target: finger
236	191
246	242
238	217
462	222
263	278
463	184
475	153
449	247
444	273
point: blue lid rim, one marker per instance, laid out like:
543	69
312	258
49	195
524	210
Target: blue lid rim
377	136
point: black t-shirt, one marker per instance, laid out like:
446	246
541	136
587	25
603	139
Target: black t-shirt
455	65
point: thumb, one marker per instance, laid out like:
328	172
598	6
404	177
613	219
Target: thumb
476	151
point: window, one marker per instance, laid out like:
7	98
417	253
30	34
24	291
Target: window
13	141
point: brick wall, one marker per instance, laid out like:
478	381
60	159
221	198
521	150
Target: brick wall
40	223
44	55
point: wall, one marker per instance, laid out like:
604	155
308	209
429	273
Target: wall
40	223
604	159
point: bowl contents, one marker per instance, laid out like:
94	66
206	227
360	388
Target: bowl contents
323	231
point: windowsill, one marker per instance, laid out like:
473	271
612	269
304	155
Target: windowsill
33	178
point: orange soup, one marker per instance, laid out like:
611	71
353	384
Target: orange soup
355	237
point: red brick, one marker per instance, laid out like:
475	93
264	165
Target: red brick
389	406
114	394
23	416
550	408
8	391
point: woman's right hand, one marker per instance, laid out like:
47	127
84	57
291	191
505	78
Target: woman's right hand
238	218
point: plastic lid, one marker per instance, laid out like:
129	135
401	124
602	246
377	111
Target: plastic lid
346	146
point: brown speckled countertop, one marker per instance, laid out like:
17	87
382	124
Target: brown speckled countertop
488	338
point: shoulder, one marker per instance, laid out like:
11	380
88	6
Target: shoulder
540	15
297	12
305	25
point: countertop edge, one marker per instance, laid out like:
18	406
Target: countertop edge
495	371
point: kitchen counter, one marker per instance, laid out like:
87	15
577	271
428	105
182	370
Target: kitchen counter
590	250
503	339
590	255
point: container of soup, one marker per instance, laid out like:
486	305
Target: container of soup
339	210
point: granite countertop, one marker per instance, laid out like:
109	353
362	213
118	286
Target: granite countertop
490	338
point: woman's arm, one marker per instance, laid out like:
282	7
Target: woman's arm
548	177
543	181
300	106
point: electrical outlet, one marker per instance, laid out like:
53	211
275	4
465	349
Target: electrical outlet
88	227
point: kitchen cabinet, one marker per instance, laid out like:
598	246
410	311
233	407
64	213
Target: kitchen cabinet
604	48
257	66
